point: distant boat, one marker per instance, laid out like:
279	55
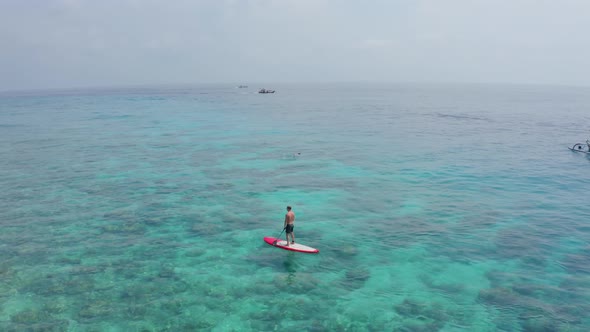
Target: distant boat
266	91
242	86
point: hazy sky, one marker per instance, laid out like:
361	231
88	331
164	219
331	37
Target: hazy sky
75	43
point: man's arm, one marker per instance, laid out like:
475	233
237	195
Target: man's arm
286	220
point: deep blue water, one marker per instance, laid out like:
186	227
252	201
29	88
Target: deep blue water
434	207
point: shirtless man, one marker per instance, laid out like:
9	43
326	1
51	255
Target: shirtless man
289	221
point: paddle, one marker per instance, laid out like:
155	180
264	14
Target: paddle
278	237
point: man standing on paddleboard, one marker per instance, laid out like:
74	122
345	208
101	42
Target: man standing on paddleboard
289	225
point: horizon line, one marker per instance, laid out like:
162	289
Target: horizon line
236	84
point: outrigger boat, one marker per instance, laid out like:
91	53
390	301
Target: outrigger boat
580	147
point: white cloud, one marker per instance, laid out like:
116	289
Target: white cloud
375	43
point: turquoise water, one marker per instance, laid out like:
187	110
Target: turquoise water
435	208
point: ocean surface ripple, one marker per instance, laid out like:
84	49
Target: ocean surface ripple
434	207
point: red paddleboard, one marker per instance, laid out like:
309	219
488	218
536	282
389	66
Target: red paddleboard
293	246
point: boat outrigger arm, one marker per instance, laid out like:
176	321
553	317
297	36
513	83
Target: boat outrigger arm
580	147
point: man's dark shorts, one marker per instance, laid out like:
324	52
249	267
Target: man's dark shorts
289	228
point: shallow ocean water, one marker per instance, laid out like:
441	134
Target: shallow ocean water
434	207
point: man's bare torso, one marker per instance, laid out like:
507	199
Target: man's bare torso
290	217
